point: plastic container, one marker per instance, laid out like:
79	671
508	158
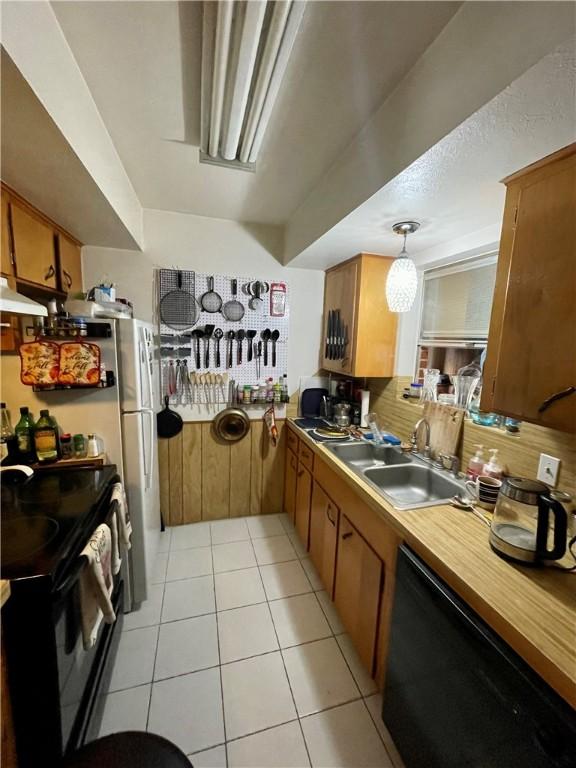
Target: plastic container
415	389
476	463
492	467
246	393
254	394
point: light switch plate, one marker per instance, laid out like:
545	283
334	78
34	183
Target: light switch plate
548	468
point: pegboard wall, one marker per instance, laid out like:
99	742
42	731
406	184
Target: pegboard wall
187	317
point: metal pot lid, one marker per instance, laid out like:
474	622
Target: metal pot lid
523	490
232	424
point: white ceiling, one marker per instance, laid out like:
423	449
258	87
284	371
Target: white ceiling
454	189
39	163
141	61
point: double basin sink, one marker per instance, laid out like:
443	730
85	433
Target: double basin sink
406	481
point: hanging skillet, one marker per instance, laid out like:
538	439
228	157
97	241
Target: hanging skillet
178	308
168	422
233	310
211	301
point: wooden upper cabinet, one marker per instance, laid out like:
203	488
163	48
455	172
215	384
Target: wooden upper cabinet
69	265
33	248
356	312
531	354
7	260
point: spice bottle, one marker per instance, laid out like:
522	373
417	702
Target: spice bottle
46	438
80	447
93	449
66	448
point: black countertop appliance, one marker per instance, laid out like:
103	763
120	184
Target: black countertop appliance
56	687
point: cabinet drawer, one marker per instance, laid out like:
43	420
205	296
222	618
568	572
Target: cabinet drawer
292	441
306	456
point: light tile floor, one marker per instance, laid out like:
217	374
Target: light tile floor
239	657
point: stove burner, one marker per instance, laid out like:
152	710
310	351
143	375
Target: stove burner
24	536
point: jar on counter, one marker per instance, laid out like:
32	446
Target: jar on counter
254	393
66	447
262	393
93	448
80	447
246	393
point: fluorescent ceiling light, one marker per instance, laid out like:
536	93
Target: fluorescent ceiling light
15	303
245	51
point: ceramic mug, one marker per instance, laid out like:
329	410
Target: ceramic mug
485	489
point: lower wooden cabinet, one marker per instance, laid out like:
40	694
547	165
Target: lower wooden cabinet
303	499
357	590
324	519
290	484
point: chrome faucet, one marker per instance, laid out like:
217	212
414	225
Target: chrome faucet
414	438
454	467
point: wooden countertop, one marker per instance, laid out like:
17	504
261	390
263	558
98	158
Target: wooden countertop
4	591
532	609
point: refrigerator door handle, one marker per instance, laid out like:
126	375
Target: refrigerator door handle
145	372
150	436
145	466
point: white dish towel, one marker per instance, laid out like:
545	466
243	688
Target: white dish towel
96	585
123	517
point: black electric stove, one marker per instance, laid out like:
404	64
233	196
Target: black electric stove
46	518
57	687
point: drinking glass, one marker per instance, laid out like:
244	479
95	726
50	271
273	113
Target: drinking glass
430	386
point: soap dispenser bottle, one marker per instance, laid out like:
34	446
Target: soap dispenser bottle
493	468
476	463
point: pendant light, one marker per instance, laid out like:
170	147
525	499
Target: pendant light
402	280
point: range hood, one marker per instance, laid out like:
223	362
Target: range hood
16	303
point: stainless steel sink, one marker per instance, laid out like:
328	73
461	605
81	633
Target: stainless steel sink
405	480
412	486
366	455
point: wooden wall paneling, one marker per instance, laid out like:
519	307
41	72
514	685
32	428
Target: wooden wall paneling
164	471
273	471
215	476
257	437
191	473
240	477
175	473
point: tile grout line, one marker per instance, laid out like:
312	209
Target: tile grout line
155	655
219	653
393	763
285	670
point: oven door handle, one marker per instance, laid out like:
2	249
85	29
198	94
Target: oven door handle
74	574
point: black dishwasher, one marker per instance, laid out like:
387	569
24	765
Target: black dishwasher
456	695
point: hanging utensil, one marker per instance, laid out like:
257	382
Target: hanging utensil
171	378
266	334
208	331
168	422
218	334
197	334
230	338
250	335
255	302
233	310
275	336
178	308
211	301
240	336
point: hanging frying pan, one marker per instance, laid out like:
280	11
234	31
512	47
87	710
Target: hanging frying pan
178	308
211	301
168	422
233	310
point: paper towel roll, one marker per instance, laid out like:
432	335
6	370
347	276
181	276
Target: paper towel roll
364	407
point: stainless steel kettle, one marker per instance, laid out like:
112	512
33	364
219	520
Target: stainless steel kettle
528	525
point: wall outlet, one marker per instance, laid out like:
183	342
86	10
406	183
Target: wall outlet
548	468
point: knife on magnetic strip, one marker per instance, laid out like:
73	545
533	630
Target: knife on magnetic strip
329	323
338	332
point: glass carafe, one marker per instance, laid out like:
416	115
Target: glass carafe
528	524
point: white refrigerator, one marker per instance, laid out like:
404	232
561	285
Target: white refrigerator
138	394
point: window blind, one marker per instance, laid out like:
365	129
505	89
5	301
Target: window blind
458	300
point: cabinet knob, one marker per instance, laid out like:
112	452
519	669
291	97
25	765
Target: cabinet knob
347	535
51	272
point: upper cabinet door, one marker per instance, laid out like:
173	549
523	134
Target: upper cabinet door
359	331
7	266
339	318
33	248
70	265
531	349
